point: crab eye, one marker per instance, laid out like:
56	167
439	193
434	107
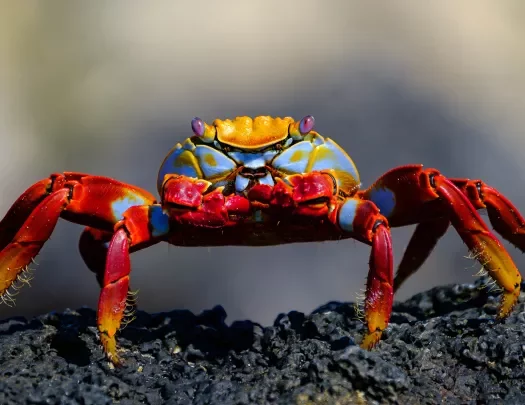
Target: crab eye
306	124
198	127
299	129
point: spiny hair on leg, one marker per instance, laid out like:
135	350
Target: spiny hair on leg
482	273
492	285
480	254
7	298
359	305
131	309
24	277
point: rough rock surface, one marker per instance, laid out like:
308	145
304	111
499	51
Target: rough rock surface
443	346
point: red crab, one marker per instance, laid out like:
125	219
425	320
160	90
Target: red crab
254	182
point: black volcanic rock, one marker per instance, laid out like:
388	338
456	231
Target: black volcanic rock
443	346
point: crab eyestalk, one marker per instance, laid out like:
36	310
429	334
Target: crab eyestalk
300	129
202	130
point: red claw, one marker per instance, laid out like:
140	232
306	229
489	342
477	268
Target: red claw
282	196
261	193
184	191
238	205
311	186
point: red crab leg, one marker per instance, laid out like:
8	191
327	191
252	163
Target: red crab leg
503	215
362	220
89	200
316	195
185	203
410	194
141	226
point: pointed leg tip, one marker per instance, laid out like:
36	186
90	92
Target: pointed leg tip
109	344
509	299
116	361
371	340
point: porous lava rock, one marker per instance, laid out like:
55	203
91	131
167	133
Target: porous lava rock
443	346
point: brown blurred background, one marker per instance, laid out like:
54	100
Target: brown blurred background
109	88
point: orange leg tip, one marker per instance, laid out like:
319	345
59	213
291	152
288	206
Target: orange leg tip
371	339
110	349
508	300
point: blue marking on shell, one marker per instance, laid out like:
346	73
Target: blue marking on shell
169	165
347	214
169	168
294	159
118	207
384	199
241	183
213	162
253	160
158	221
336	159
268	180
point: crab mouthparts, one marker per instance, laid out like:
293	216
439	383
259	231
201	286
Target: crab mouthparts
257	173
316	201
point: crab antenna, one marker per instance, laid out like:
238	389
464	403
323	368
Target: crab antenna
301	128
203	130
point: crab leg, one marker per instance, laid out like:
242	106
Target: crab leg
89	200
141	226
20	211
315	194
503	215
27	242
409	194
362	220
185	203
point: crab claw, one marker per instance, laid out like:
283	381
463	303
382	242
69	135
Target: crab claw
310	194
183	192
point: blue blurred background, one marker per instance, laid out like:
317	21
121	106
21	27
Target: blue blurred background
108	88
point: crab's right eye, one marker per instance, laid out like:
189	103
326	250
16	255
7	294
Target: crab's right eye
198	127
306	124
299	129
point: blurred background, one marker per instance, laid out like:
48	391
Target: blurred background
109	88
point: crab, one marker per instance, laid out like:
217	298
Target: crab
260	182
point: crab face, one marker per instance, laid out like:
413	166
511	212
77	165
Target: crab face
237	154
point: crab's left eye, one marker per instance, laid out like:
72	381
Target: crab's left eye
197	126
306	124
